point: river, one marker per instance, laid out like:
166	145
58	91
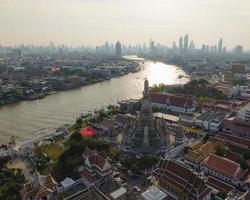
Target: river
27	118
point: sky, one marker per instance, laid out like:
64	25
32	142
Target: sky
92	22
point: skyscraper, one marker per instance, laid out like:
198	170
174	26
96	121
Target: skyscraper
181	44
152	47
118	49
186	43
191	46
220	46
203	48
238	49
174	47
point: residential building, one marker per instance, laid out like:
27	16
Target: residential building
244	113
223	106
210	121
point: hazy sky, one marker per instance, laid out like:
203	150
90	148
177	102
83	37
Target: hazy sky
92	22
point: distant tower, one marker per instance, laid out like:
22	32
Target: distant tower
181	44
174	47
192	46
238	49
152	47
118	49
186	43
220	46
224	50
203	48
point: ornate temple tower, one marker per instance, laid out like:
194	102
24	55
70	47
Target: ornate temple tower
145	136
180	136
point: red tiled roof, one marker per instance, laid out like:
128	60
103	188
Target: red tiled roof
88	176
173	99
234	146
232	156
236	139
223	105
219	185
122	120
236	128
222	165
106	124
98	159
246	180
88	152
103	154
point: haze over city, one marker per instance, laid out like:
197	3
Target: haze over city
92	22
121	100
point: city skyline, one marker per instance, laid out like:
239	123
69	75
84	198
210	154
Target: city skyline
82	21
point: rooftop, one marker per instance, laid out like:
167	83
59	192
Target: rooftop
222	165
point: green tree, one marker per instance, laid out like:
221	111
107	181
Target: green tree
221	150
113	153
242	163
246	155
186	149
11	182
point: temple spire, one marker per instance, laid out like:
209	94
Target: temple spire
146	89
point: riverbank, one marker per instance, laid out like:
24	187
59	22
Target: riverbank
40	95
24	118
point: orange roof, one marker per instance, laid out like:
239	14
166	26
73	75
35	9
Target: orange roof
222	165
40	192
201	150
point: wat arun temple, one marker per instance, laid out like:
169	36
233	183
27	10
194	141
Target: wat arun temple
145	135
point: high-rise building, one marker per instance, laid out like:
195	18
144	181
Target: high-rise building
207	49
152	47
186	42
220	46
191	46
238	49
118	49
106	47
17	55
174	47
224	50
181	44
203	48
